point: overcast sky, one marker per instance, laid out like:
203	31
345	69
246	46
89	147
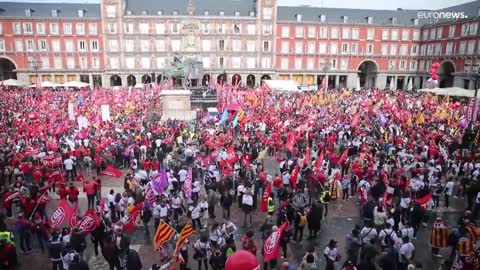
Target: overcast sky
366	4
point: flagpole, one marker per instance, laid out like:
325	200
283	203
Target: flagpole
36	206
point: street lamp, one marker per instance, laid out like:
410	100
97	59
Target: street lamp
325	67
35	64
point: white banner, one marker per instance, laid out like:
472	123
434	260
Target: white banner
105	109
71	112
82	122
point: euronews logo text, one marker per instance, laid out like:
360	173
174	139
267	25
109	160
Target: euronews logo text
441	15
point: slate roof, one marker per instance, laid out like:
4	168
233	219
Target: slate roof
212	6
44	10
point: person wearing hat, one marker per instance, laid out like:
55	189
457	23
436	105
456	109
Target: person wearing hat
331	255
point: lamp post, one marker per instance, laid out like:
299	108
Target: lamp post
35	64
476	79
325	67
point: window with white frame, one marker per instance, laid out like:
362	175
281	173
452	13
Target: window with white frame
285	47
333	64
404	49
425	34
221	62
355	33
394	35
94	45
27	28
298	63
391	64
423	49
205	28
344	64
465	29
298	47
267	13
322	48
2	45
143	28
421	65
45	62
467	66
251	62
393	49
236	28
113	45
41	29
130	62
251	45
145	45
311	47
56	45
473	29
42	45
111	11
451	31
371	34
439	32
206	45
57	63
438	49
17	28
471	47
206	62
345	48
160	28
92	29
405	34
354	48
174	28
333	48
146	62
345	33
430	49
82	47
114	63
236	45
385	34
83	63
321	63
112	28
370	49
129	45
18	43
384	49
160	45
285	31
416	35
70	63
403	65
266	46
284	63
267	29
323	33
95	62
128	27
334	33
413	65
299	31
67	29
175	45
449	48
30	45
462	47
312	32
161	62
221	45
310	63
414	49
251	29
80	29
433	33
221	28
236	62
266	62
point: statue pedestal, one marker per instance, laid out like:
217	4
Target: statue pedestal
176	105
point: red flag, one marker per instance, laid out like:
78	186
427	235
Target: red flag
14	195
272	244
74	215
89	221
290	142
265	196
307	156
294	177
423	202
44	198
343	156
62	213
129	226
112	171
319	161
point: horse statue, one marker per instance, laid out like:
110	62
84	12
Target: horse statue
179	69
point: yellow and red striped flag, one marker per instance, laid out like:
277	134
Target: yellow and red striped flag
187	231
164	233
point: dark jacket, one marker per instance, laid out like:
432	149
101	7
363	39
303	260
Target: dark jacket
81	265
133	260
55	250
78	241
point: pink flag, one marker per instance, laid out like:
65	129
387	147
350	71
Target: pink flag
319	161
187	185
112	171
62	213
343	156
88	222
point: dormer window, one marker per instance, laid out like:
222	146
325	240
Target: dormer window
222	13
129	12
369	20
345	19
394	21
323	18
159	12
415	21
205	13
252	14
28	12
175	12
81	13
144	12
299	17
54	13
237	13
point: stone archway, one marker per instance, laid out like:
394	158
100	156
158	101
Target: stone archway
265	77
160	78
131	80
236	79
7	69
367	71
205	79
251	80
222	78
115	80
146	79
445	74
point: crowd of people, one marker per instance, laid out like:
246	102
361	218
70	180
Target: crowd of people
400	156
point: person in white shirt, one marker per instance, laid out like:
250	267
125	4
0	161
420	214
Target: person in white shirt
448	191
387	236
68	163
368	233
408	231
286	179
247	207
229	229
331	255
195	210
182	174
406	251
